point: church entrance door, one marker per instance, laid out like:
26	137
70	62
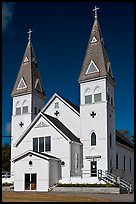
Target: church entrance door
30	181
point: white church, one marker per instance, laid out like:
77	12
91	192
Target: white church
58	142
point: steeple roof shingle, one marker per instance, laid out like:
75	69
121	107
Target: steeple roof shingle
29	72
96	53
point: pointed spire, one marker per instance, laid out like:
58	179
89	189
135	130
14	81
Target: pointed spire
96	55
29	73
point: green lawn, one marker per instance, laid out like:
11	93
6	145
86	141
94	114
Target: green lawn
45	197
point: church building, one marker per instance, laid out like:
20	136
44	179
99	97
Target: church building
59	142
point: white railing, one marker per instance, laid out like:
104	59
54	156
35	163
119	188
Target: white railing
108	177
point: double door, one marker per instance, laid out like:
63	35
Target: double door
30	181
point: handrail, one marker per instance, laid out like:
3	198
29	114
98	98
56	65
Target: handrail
105	175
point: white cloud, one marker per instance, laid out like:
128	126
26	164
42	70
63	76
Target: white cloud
7	14
8	129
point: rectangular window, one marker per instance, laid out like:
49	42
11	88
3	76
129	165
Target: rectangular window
97	97
108	98
93	168
56	105
88	99
18	111
41	144
111	101
124	163
48	143
110	140
35	144
35	111
25	109
116	161
76	160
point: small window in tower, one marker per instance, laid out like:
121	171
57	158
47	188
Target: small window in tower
97	97
88	99
92	68
25	109
18	111
38	85
111	101
108	98
88	96
93	40
25	60
21	84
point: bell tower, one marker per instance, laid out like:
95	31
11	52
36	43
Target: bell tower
97	115
28	95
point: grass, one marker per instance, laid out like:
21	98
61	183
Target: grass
45	197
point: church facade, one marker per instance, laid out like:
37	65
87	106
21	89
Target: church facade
58	142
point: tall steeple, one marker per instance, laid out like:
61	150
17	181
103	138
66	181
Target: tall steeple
96	62
29	79
97	114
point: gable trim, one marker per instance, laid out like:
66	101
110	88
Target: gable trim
38	154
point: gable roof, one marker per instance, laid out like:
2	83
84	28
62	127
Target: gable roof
38	154
77	108
63	128
54	122
69	104
123	140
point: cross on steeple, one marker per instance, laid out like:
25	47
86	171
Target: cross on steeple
93	114
95	10
29	32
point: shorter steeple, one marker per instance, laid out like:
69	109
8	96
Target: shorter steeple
29	79
96	62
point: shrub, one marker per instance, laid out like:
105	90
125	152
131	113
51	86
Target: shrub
85	185
7	184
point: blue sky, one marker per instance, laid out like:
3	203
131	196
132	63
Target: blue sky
60	35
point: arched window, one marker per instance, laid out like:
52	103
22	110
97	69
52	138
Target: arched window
97	95
93	139
18	108
88	96
25	107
